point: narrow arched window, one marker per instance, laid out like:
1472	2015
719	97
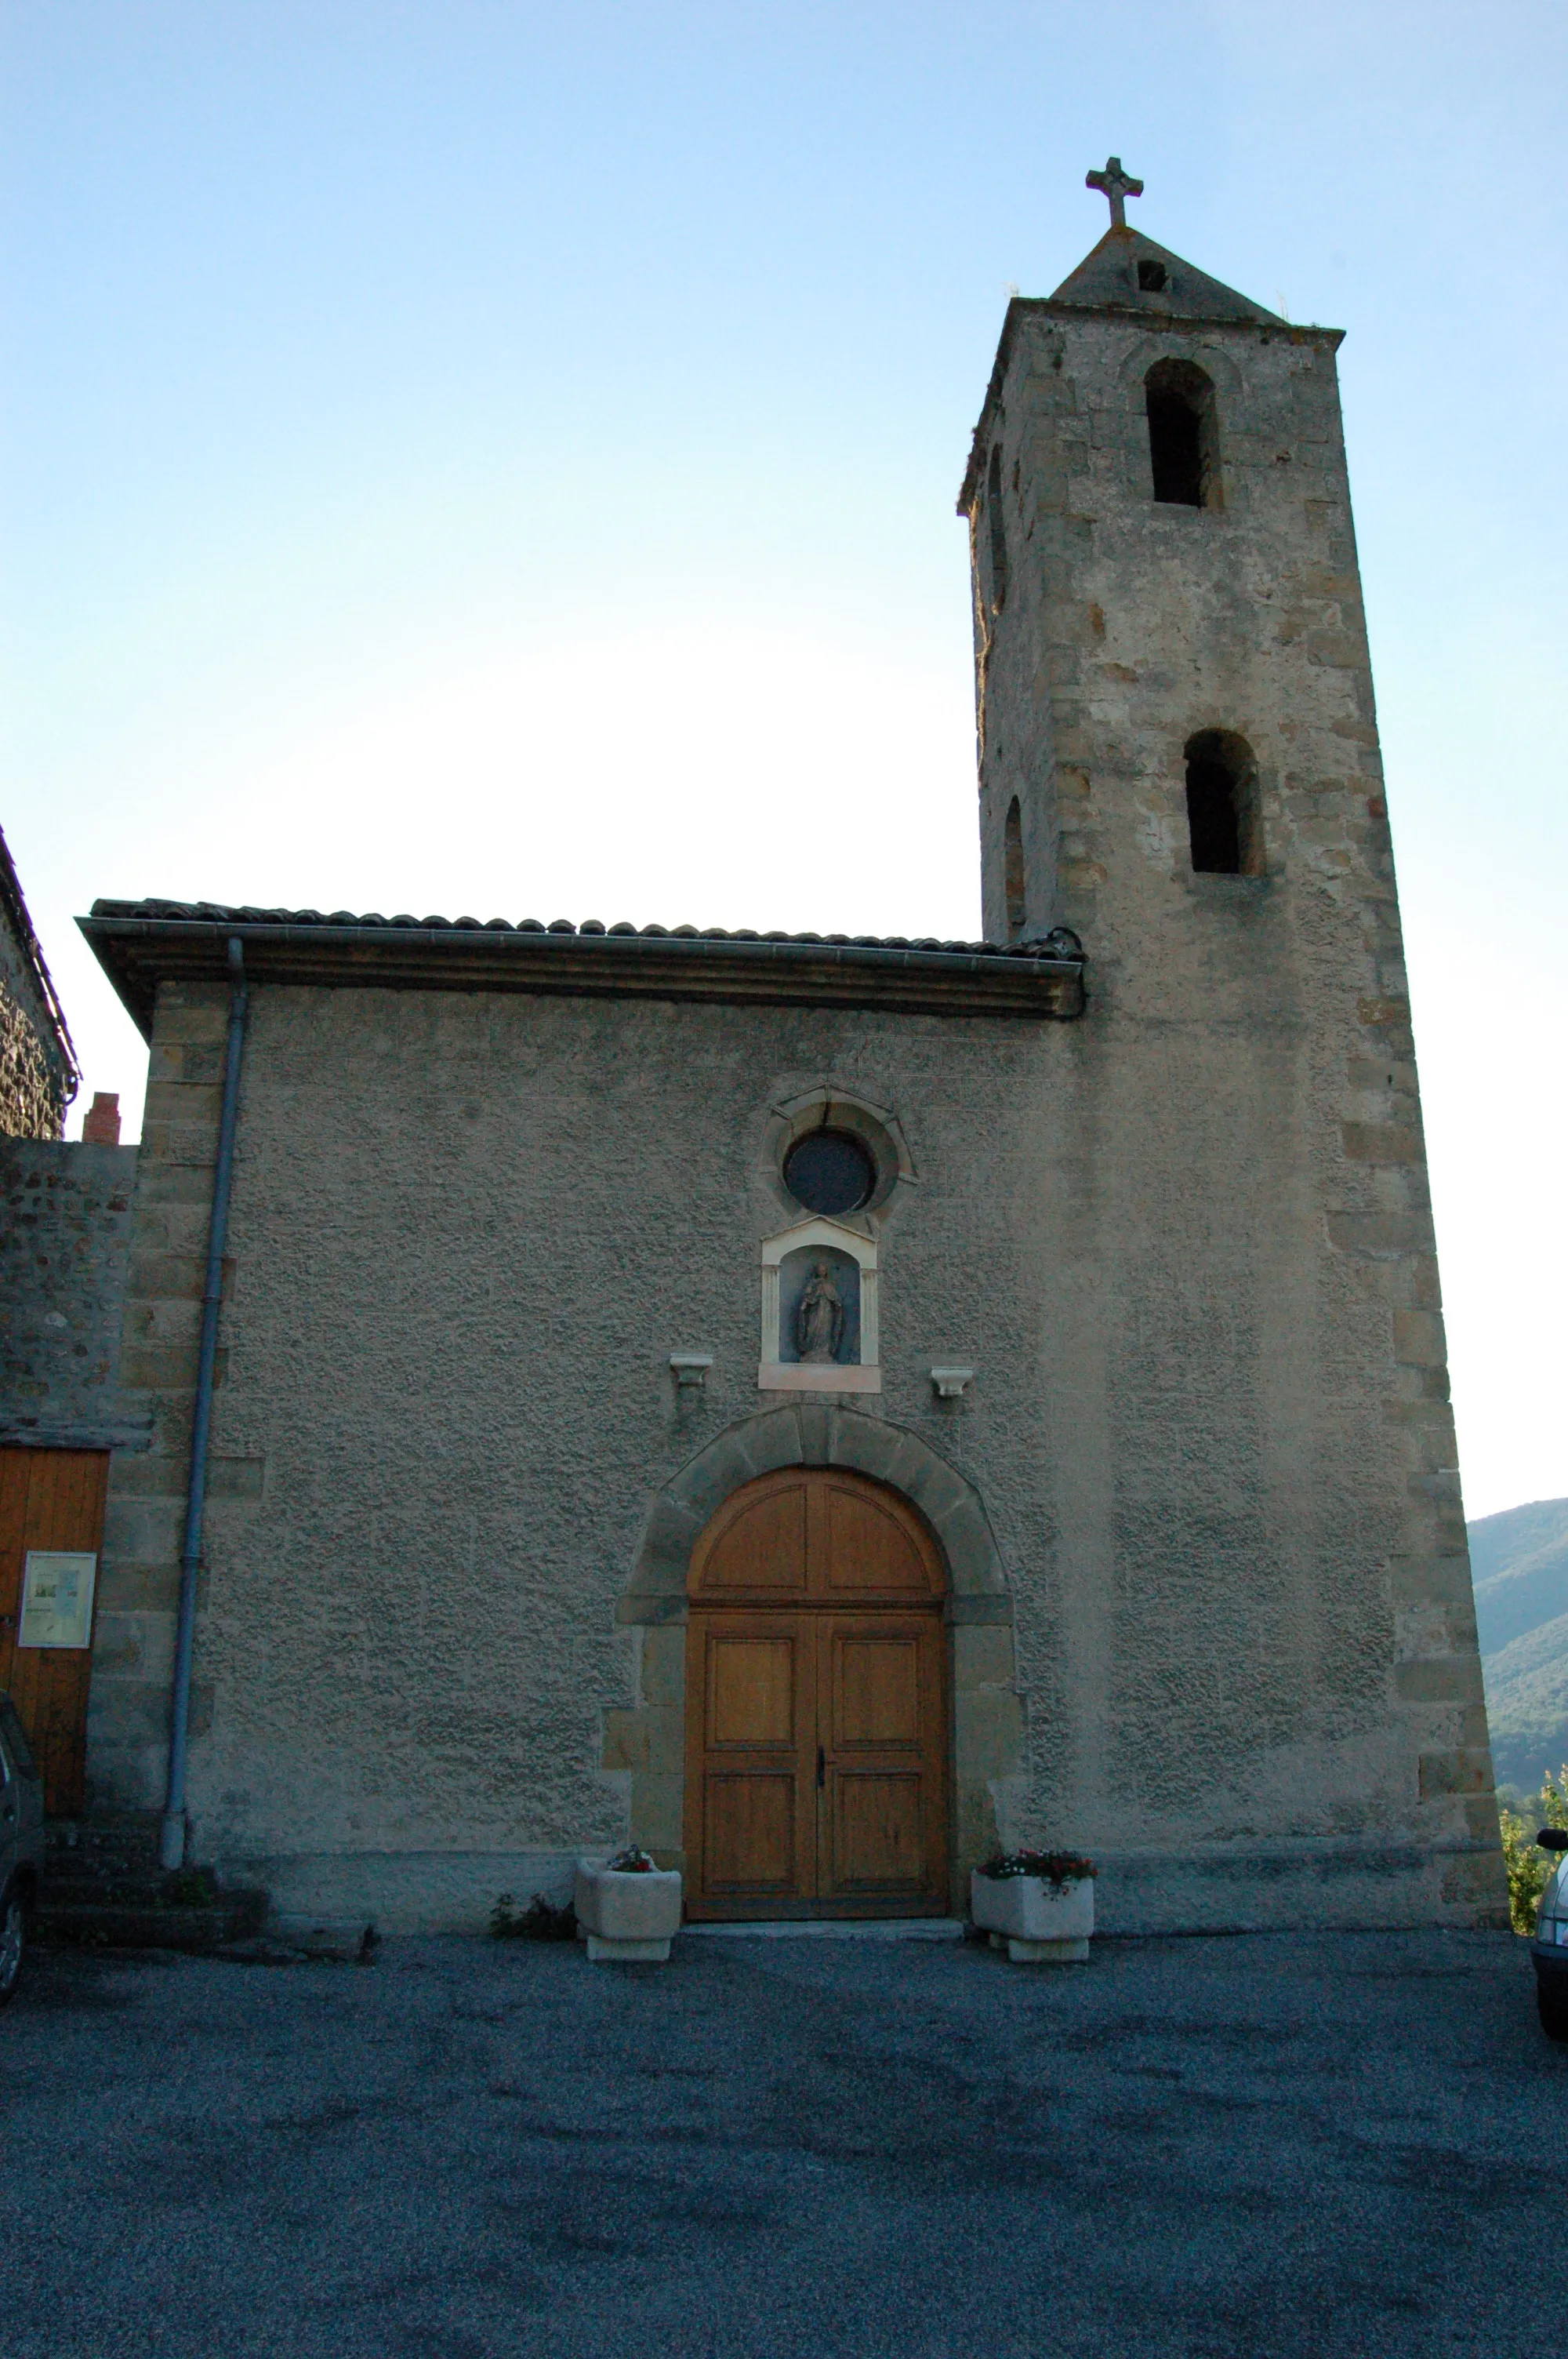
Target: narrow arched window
1224	824
1179	401
1012	871
998	527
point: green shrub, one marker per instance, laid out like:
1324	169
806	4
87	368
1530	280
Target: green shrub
1528	1867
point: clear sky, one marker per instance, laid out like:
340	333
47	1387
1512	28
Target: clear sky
500	459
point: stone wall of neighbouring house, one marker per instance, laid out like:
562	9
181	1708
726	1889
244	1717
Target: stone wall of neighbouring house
64	1244
33	1078
469	1231
36	1071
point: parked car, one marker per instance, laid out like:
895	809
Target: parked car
21	1842
1549	1949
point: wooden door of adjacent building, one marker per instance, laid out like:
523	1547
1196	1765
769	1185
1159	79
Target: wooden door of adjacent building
49	1499
817	1724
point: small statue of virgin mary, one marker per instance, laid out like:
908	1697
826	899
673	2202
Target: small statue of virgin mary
819	1317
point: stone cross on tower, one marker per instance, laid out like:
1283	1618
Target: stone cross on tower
1116	184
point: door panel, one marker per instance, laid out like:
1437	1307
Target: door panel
49	1499
761	1546
878	1833
876	1679
750	1834
751	1762
869	1551
882	1823
817	1532
751	1691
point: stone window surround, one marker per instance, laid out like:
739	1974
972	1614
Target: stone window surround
1206	351
645	1746
831	1108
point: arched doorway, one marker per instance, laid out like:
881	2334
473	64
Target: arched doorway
816	1721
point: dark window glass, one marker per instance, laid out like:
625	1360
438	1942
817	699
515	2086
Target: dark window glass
828	1171
1151	278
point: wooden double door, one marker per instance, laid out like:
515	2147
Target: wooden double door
816	1718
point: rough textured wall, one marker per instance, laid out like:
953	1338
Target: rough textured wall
1263	1361
33	1080
64	1242
38	1073
467	1234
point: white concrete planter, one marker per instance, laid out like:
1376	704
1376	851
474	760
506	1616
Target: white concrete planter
1037	1922
627	1916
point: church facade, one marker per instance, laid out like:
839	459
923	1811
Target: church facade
820	1408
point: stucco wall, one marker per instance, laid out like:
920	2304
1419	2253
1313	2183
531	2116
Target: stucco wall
467	1233
64	1242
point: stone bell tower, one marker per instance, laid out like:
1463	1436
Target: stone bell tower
1261	1540
1169	646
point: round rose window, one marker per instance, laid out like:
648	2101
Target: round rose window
830	1171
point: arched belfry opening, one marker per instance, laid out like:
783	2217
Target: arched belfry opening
1224	822
1178	399
1012	872
998	525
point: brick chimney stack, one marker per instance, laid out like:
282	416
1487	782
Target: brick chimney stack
101	1126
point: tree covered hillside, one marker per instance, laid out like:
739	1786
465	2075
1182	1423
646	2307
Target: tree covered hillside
1521	1563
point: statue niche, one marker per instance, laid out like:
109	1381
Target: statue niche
819	1308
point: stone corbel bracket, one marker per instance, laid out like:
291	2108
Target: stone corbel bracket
690	1369
951	1383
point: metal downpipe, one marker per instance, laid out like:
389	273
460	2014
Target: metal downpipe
173	1832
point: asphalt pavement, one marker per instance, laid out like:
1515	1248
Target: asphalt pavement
1258	2146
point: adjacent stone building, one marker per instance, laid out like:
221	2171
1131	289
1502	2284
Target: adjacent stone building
824	1407
38	1063
64	1237
64	1241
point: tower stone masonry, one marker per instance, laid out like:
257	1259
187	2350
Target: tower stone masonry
1179	759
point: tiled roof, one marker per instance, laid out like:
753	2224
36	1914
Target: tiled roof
142	943
218	913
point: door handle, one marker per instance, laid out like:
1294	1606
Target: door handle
821	1768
